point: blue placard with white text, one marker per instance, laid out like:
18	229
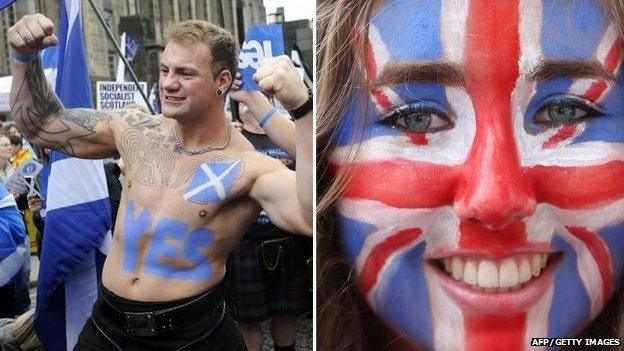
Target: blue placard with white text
261	42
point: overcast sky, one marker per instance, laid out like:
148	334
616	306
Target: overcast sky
293	9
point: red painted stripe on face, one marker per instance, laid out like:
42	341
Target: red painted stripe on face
498	243
612	60
595	90
600	254
495	332
379	95
492	189
379	255
578	187
418	138
403	184
565	132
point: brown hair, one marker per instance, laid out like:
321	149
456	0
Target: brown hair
344	320
221	43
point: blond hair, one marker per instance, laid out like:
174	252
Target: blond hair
222	45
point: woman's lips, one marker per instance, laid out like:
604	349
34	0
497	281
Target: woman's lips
509	285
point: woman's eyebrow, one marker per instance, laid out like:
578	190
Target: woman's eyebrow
549	69
404	72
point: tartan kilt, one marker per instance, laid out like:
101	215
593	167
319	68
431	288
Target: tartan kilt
253	297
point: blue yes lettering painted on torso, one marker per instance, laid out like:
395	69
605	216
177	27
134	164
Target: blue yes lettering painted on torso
173	252
212	182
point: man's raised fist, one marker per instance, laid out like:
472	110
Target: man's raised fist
31	34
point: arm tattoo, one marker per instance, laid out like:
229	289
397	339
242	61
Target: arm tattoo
41	116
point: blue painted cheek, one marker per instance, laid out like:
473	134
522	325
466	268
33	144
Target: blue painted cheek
172	242
134	229
353	234
564	321
404	298
614	239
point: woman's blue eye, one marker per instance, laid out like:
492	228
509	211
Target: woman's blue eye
418	119
564	111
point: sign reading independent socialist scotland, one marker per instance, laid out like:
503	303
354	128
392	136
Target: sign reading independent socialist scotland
116	95
261	42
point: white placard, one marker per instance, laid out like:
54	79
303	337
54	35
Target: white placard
116	95
16	182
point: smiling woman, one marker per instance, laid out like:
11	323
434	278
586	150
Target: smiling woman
470	161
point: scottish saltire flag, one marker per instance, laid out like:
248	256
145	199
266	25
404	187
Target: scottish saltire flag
413	199
78	219
261	42
6	3
12	237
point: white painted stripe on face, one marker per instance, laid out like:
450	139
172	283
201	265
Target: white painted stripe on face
607	41
591	153
380	52
588	271
548	219
537	317
440	226
453	29
446	316
530	35
382	57
450	147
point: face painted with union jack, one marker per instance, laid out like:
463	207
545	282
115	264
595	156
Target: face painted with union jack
486	204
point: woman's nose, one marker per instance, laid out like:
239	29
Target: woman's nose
492	189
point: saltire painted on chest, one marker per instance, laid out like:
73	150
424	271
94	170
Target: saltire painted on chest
212	182
404	217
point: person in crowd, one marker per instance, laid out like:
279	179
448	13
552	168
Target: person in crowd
192	184
19	334
470	173
20	153
267	277
11	130
6	151
13	245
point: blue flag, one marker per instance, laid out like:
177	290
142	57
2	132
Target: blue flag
78	219
12	238
6	3
261	42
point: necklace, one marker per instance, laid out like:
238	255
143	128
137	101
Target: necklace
206	149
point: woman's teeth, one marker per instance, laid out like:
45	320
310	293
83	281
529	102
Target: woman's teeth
495	276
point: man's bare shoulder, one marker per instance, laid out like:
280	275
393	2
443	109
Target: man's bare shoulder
135	119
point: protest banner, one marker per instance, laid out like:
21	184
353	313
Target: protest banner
16	182
116	95
261	42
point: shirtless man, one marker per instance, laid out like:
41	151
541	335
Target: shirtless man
192	184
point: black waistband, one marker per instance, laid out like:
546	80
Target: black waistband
153	318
